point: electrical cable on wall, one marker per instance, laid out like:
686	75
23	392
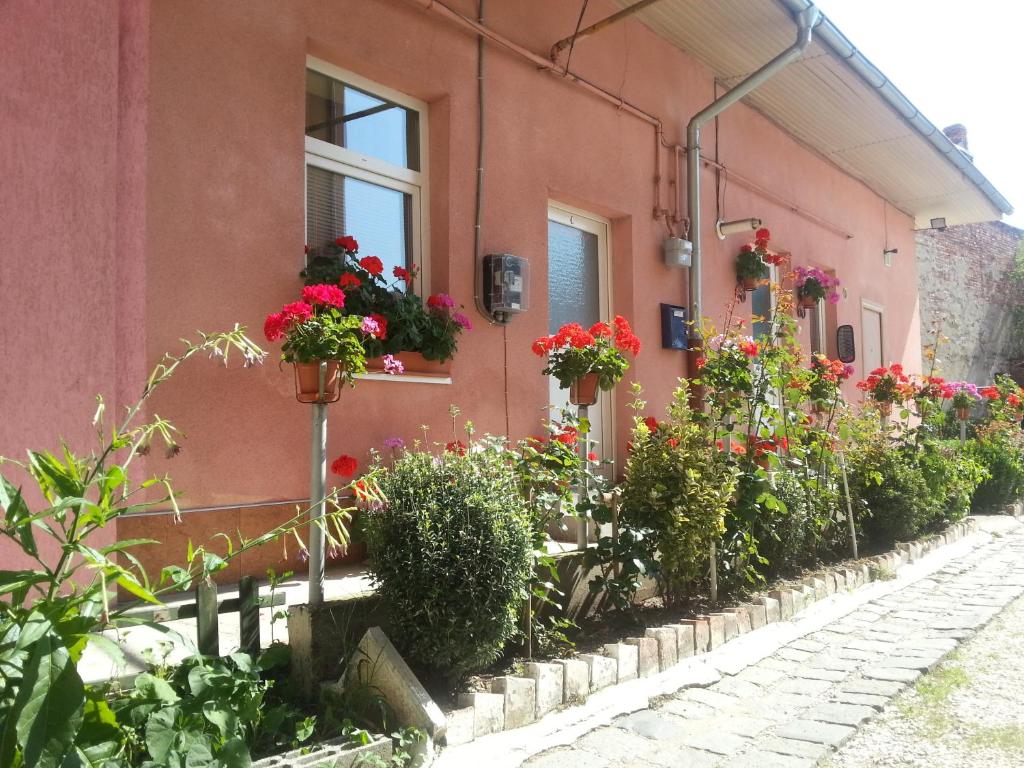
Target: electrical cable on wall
579	23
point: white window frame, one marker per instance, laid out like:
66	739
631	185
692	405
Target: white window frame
347	162
818	319
602	229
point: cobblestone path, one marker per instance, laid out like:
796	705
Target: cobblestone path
794	708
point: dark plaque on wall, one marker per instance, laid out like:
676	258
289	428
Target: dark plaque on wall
845	344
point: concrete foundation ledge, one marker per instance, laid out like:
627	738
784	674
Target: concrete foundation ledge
336	753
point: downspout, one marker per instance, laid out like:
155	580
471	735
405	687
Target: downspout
806	20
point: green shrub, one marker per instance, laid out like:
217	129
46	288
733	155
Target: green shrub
678	487
808	524
450	555
894	497
952	475
1000	452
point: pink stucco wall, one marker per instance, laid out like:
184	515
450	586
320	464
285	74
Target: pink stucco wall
70	220
218	224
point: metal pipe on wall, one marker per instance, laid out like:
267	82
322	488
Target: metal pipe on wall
806	20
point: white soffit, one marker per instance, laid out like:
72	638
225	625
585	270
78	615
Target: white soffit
823	102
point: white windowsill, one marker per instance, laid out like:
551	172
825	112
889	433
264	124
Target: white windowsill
406	378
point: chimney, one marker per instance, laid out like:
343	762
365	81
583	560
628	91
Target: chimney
957	133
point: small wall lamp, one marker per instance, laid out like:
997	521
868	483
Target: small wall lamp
887	255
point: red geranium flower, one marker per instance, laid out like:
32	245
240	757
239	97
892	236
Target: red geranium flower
541	346
324	295
275	326
672	442
298	311
592	457
402	273
344	465
348	280
989	393
601	329
347	242
372	264
762	234
652	423
569	435
457	447
748	348
382	325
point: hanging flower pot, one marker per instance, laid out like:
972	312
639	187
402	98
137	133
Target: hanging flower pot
963	412
583	391
308	386
808	302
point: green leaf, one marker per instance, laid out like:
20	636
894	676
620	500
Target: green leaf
12	581
110	648
131	585
235	754
17	515
161	733
48	709
152	687
224	719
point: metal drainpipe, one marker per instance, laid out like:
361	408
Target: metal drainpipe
806	20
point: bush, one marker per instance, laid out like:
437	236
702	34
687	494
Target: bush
809	524
952	475
1001	453
678	487
450	555
893	495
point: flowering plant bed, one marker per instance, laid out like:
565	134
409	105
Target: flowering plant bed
405	322
574	353
725	367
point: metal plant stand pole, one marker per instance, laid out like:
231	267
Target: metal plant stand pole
317	482
849	505
582	417
963	432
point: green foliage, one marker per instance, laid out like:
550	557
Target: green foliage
1001	453
432	331
952	475
890	487
53	610
210	711
450	554
678	487
327	335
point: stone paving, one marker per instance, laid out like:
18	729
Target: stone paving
794	708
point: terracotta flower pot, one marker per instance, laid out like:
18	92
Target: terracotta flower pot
963	412
808	302
885	409
307	382
414	363
749	283
583	391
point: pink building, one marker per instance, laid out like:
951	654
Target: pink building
165	162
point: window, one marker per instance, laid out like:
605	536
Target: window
816	320
365	167
762	305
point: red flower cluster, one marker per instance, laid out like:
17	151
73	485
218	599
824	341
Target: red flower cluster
348	280
736	448
457	447
402	274
833	371
625	339
748	348
593	457
347	242
888	384
277	324
324	295
344	465
934	387
989	393
1013	400
569	435
651	423
763	445
440	301
372	264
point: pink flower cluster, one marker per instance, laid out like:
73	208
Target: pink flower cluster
828	283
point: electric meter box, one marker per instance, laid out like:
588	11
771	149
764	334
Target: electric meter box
506	284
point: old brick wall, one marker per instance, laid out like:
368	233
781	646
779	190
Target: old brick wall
964	279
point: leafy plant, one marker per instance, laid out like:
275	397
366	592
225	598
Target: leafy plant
407	323
51	611
678	487
574	352
816	284
450	554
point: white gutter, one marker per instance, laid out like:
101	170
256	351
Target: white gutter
837	42
806	19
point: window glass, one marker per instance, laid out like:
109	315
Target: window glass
352	118
573	274
761	306
379	218
816	318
